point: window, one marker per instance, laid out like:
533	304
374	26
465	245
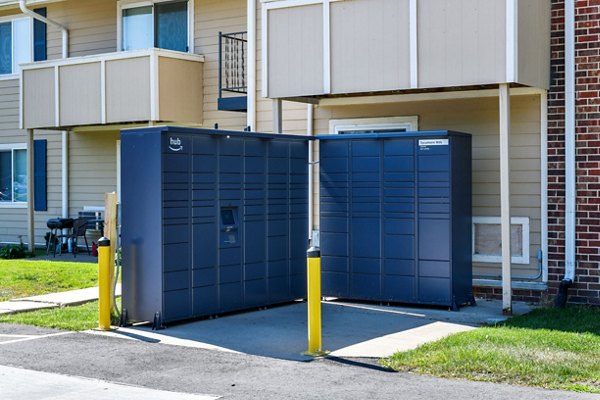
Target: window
374	125
16	44
161	24
13	174
487	240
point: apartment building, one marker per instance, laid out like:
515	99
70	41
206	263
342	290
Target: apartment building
100	66
313	67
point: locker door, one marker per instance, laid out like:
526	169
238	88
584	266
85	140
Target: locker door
433	195
398	219
176	230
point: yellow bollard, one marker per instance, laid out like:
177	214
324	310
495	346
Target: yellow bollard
313	280
104	284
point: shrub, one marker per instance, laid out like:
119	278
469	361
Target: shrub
13	251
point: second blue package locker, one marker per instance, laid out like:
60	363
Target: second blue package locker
395	217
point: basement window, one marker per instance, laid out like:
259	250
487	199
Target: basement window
487	240
374	125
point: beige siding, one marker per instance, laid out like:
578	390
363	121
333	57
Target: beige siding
295	57
480	118
93	168
128	90
40	105
212	17
92	27
461	42
80	100
13	220
369	45
534	43
180	99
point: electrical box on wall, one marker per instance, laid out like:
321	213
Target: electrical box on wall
213	221
395	217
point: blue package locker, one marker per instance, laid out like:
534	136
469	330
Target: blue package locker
213	221
396	217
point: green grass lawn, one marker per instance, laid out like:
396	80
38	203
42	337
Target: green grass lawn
76	318
549	348
21	278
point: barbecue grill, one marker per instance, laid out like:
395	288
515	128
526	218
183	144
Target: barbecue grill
59	223
56	225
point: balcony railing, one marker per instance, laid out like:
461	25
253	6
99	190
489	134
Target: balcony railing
141	86
233	53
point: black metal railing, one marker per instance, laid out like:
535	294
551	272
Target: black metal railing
232	62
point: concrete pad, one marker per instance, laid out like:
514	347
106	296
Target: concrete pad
349	329
15	384
409	339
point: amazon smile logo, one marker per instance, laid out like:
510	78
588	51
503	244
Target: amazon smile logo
175	144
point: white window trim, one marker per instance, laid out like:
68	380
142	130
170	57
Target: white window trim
12	18
126	4
12	147
409	124
523	221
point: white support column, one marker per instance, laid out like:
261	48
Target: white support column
505	197
277	116
414	44
310	131
30	191
64	172
251	91
326	46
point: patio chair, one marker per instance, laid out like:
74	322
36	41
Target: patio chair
79	229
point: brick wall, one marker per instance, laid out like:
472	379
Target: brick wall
586	288
530	296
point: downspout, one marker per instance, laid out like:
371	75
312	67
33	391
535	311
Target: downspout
65	32
570	166
251	90
311	169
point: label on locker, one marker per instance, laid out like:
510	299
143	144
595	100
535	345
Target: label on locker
433	142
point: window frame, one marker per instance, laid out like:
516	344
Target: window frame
11	18
128	4
12	147
523	259
346	126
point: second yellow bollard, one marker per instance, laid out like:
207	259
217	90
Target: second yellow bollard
104	284
313	280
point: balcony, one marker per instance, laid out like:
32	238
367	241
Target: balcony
112	89
233	53
317	48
